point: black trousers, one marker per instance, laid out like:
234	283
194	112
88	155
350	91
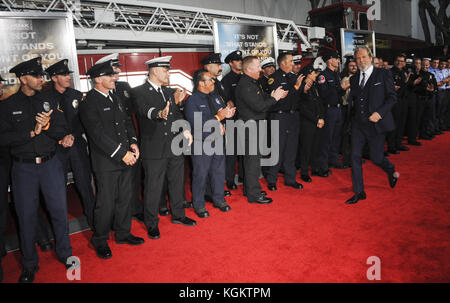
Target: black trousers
427	117
76	159
113	205
400	114
331	138
310	141
421	105
156	171
5	168
231	160
288	143
27	179
412	127
346	134
362	133
252	167
137	206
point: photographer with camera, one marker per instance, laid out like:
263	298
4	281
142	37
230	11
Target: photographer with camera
415	106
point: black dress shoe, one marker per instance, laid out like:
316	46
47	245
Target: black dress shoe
130	240
264	193
261	200
139	217
28	274
188	204
103	252
226	193
393	178
184	221
45	246
153	233
414	143
356	198
63	260
223	207
306	178
231	185
272	187
163	212
201	213
393	151
295	185
403	148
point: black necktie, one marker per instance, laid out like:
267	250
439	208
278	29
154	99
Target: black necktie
361	84
161	92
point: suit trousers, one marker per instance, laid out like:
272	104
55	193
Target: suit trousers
310	140
113	205
331	138
362	133
156	171
5	168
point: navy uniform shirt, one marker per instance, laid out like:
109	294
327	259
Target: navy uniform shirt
287	82
399	76
229	83
18	119
263	82
330	89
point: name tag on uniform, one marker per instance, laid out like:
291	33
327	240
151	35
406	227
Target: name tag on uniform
234	84
17	113
330	80
106	108
202	105
377	84
283	83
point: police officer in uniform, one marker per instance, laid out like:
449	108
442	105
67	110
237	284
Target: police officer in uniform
205	165
331	90
123	91
268	68
442	78
5	167
28	127
427	89
157	107
72	149
285	112
229	82
113	146
311	121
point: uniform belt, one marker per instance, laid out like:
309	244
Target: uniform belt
334	105
37	160
286	111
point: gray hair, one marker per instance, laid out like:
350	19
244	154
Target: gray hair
363	47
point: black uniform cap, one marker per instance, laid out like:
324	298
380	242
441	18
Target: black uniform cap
236	55
59	68
101	69
212	58
30	67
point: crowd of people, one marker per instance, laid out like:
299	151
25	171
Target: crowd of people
315	120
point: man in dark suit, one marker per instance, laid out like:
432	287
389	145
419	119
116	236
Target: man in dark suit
157	107
113	146
371	98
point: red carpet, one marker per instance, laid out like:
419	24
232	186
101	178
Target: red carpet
304	236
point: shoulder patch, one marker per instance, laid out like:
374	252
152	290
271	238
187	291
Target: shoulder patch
321	79
270	81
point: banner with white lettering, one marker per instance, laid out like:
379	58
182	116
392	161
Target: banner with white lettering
27	35
252	38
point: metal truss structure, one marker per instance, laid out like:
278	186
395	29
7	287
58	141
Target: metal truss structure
136	22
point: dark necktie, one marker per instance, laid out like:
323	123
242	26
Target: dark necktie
361	84
161	92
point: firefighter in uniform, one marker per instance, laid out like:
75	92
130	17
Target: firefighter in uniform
72	149
29	128
113	146
157	107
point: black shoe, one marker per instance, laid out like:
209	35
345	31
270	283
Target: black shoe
356	198
223	207
184	221
231	185
272	186
393	178
321	173
45	246
28	274
64	261
306	178
403	148
264	193
393	151
386	154
153	233
201	213
188	204
261	200
295	185
163	212
226	193
103	252
139	217
130	240
414	143
425	137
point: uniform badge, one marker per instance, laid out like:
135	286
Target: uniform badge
150	88
217	101
126	94
321	79
120	106
46	106
270	81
